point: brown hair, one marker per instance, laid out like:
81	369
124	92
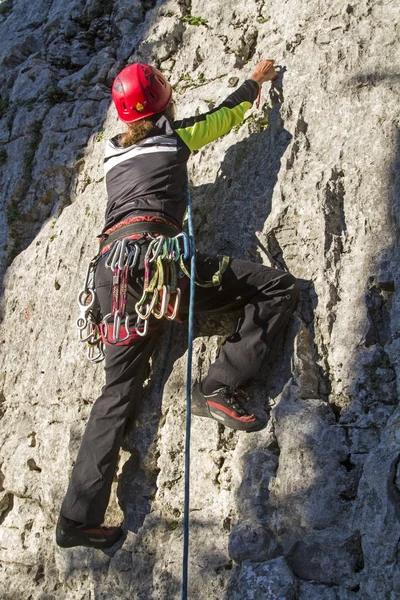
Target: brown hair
141	128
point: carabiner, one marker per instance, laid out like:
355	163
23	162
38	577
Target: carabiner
110	264
121	259
133	257
117	327
164	302
100	352
150	306
159	242
106	324
150	248
145	329
172	316
184	236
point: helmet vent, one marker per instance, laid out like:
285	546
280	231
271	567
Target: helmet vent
140	91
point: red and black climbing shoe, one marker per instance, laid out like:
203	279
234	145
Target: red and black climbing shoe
69	534
226	406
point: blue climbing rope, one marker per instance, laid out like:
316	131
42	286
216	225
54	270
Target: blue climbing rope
188	397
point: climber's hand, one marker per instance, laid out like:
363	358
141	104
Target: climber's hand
264	71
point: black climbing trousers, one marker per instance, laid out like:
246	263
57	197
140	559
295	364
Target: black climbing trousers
267	298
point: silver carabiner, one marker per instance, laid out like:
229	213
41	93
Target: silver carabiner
96	358
149	307
159	243
164	302
150	248
133	257
172	316
115	255
121	260
144	331
105	324
111	255
127	327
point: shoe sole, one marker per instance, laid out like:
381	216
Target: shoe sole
226	420
75	540
97	546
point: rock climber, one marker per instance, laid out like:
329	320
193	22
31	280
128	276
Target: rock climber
145	170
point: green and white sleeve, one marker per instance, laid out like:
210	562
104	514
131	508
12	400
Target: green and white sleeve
198	131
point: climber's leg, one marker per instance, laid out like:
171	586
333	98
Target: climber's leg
267	298
90	485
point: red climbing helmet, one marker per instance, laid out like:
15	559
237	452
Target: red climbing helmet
140	91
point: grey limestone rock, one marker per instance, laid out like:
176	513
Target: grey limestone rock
270	580
313	591
252	541
308	508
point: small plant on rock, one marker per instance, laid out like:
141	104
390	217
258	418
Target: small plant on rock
196	21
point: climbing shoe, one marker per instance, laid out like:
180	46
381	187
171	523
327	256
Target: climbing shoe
226	406
69	534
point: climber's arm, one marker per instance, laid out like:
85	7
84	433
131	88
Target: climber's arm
198	131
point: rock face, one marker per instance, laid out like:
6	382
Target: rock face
309	507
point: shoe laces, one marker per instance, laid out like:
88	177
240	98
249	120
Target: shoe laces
234	397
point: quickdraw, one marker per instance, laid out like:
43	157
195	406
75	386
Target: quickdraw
161	295
88	320
115	326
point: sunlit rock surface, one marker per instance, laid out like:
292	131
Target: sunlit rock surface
307	509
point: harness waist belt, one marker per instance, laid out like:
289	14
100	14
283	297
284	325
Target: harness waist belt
140	227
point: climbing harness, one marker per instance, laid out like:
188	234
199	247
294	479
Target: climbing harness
164	279
161	294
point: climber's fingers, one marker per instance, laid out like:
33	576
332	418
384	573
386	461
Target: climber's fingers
264	71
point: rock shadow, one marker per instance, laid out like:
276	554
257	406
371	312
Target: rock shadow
321	491
229	211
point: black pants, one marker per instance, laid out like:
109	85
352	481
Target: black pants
267	298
